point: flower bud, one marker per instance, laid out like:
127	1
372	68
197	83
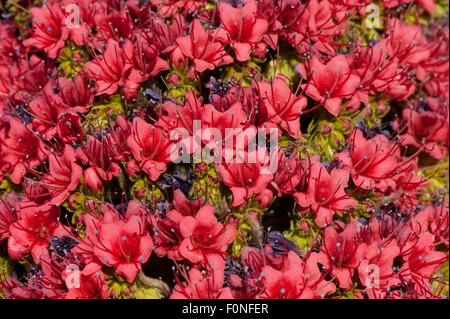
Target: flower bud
92	180
304	226
174	79
326	129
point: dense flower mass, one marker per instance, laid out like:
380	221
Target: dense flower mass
219	149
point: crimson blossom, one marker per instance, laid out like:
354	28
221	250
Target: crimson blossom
232	149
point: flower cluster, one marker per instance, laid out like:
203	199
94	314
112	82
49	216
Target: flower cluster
224	149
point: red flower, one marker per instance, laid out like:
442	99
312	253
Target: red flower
377	71
116	139
374	162
90	287
165	34
56	98
289	174
167	234
201	47
245	178
295	280
21	149
145	61
326	194
406	42
241	27
14	289
175	116
438	223
9	213
150	147
282	106
378	262
96	155
166	227
113	25
422	261
426	4
87	10
31	75
329	83
7	86
341	254
426	130
30	234
75	95
234	117
109	69
69	127
205	239
64	175
49	30
318	23
85	248
199	286
170	7
124	246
